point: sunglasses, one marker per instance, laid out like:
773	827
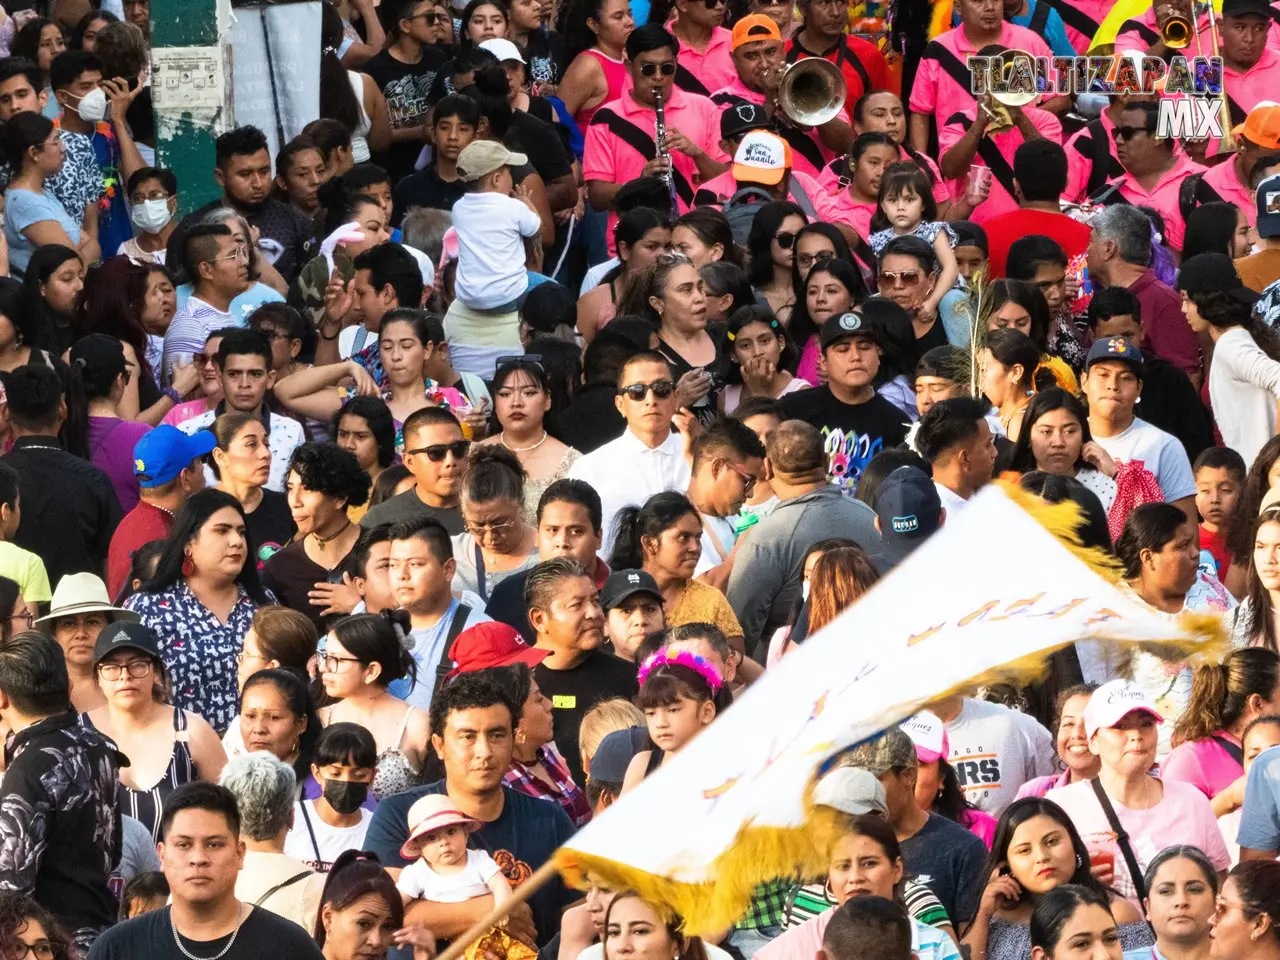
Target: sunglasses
527	359
785	241
1126	133
438	451
667	69
204	359
908	278
637	391
822	256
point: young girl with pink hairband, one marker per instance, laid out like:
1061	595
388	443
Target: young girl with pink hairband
678	697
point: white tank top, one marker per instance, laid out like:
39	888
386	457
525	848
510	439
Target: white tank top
359	145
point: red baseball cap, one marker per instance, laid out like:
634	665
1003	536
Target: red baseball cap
492	644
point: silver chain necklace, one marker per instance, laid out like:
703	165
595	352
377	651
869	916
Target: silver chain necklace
221	953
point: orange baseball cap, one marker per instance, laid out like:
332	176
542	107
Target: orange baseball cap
762	157
1262	126
755	27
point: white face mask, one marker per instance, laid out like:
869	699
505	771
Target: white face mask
151	216
93	106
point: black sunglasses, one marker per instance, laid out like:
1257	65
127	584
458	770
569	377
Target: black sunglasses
636	391
785	241
438	451
1126	133
528	359
649	69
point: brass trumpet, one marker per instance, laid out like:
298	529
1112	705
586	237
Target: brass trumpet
1177	29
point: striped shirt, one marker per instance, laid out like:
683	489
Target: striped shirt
189	329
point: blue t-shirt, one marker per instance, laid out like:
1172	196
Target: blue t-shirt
22	208
521	840
1260	818
242	306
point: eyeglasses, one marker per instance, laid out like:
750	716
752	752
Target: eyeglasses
529	359
805	260
637	391
748	479
242	656
153	195
785	241
438	451
478	530
892	278
1126	133
332	664
41	950
667	69
136	669
241	255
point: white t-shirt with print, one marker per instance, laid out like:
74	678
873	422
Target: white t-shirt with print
1161	453
995	751
329	841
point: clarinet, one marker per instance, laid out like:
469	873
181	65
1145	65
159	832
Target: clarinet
660	135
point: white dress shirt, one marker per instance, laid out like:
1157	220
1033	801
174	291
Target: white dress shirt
625	473
952	502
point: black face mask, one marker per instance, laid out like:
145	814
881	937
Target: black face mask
345	796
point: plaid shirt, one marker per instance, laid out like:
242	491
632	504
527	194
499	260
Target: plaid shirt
768	905
566	793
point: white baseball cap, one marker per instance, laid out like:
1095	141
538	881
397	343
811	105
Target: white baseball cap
762	157
851	790
504	50
1113	701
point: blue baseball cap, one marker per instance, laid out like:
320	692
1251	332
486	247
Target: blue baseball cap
1121	349
613	755
166	451
908	506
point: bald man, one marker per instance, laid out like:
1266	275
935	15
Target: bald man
767	570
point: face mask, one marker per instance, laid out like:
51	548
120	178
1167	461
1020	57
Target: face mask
151	216
804	590
345	796
93	106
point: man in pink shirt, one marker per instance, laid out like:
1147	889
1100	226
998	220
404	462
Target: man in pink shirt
1154	171
759	65
763	159
1091	154
942	86
965	141
704	57
620	140
1250	69
1257	137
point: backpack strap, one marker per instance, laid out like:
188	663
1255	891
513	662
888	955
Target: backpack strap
1194	192
990	155
687	82
1234	750
1073	17
281	885
802	199
641	143
1100	157
445	666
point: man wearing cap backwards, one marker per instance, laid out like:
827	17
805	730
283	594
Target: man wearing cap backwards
1262	268
1244	379
168	465
758	63
1112	383
474	726
632	604
619	141
705	60
736	122
767	568
1120	723
1230	180
856	422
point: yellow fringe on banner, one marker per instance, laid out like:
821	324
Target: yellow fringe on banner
940	22
762	854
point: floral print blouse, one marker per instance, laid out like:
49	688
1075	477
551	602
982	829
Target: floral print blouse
199	651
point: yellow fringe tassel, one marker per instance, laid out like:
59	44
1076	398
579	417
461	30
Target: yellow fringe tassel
762	854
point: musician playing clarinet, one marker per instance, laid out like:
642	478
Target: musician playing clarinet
620	143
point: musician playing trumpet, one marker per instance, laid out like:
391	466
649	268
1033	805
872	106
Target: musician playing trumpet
620	139
759	61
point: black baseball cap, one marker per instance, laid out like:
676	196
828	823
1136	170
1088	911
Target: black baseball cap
850	325
741	118
612	757
1241	8
625	583
908	506
122	635
1214	273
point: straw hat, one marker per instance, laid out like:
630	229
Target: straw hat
83	593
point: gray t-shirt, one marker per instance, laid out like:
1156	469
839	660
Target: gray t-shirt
995	751
408	506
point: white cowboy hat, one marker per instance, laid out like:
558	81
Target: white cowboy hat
83	593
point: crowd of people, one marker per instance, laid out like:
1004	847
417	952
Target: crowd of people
375	526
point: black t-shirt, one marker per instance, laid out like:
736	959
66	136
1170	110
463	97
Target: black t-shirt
704	409
591	419
291	575
269	527
506	605
936	337
545	52
262	936
406	87
408	506
541	143
425	188
854	433
572	692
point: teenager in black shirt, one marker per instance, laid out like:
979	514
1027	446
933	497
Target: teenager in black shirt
453	124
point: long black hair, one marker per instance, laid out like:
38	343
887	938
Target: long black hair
660	512
374	412
841	245
1211	228
292	684
1149	527
802	326
337	98
1223	311
194	514
1042	404
1053	911
759	241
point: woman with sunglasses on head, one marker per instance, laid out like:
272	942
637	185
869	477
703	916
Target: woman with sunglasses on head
27	929
320	392
522	401
832	287
166	746
762	354
771	248
208	391
363	656
641	235
1246	920
496	541
241	462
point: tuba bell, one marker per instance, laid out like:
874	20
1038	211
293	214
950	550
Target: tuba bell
1176	29
1000	118
811	92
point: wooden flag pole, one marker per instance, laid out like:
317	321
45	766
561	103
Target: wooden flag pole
539	879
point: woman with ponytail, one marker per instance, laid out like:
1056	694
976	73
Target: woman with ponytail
362	913
1244	377
1225	698
363	655
94	429
351	98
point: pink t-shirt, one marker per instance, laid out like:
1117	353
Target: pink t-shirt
1246	90
1183	815
842	208
981	824
1080	159
1225	181
1205	764
999	200
615	78
1042	785
809	155
937	92
713	66
1094	10
1163	197
186	411
607	157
